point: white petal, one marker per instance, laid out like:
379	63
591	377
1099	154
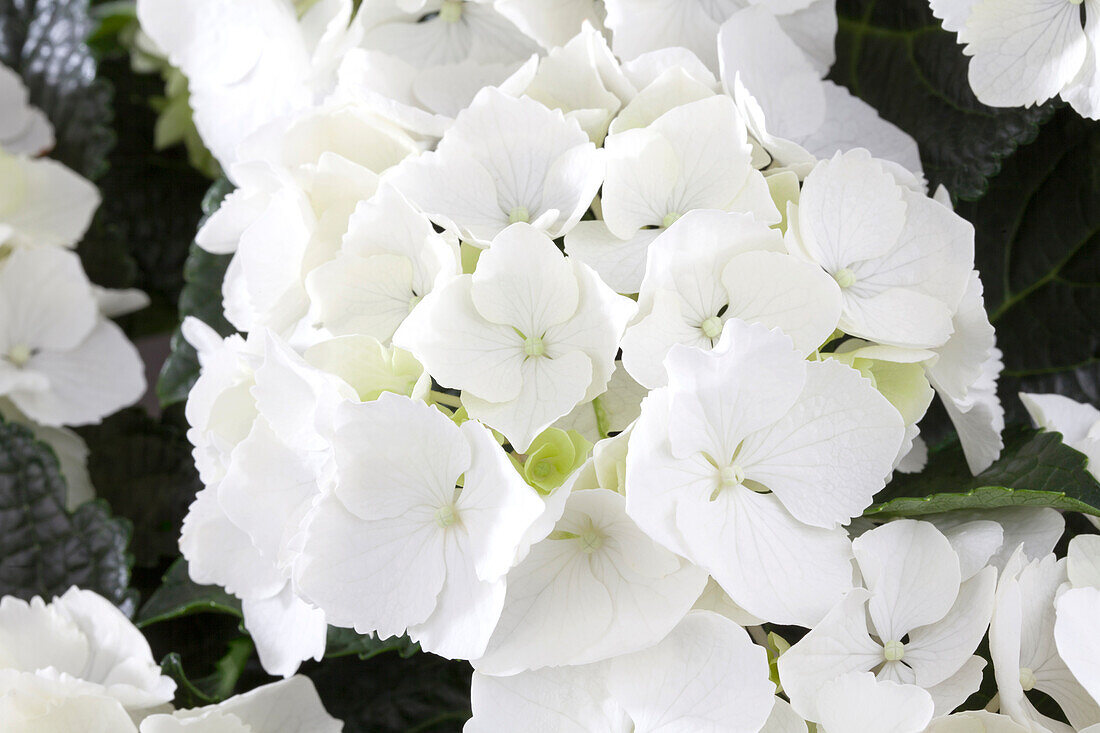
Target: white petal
286	631
1024	51
287	706
1083	561
857	701
45	300
1056	412
620	262
706	675
1075	634
831	452
938	651
912	573
563	699
974	541
957	689
54	205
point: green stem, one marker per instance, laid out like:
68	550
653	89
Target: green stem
442	398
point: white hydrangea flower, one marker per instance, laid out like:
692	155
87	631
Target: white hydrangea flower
428	557
301	180
1078	422
638	26
596	587
24	129
695	156
1077	609
287	706
249	62
582	78
61	361
1023	647
389	260
505	160
750	459
527	337
710	267
1024	52
902	260
443	32
77	645
43	203
705	675
772	79
925	623
858	701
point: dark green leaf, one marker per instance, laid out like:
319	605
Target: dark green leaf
180	596
214	687
144	468
895	56
1035	469
390	695
43	548
201	297
1038	248
43	40
345	642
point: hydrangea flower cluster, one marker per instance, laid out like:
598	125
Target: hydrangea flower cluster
77	664
63	361
580	358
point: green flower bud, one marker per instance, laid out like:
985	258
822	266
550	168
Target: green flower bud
552	457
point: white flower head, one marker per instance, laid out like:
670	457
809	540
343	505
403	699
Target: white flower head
924	622
902	260
288	706
24	129
248	62
705	675
695	156
505	160
527	337
596	587
390	259
43	203
80	638
61	361
751	458
1024	649
710	267
399	544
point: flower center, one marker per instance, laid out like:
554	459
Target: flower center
590	540
533	346
542	469
670	219
19	354
445	516
893	651
520	213
845	278
450	11
1027	678
712	327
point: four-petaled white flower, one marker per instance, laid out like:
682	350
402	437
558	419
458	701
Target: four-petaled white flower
695	156
432	533
504	160
710	267
527	337
61	361
924	622
902	260
751	458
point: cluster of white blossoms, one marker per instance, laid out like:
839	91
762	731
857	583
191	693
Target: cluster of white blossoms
1024	52
574	337
77	665
63	362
